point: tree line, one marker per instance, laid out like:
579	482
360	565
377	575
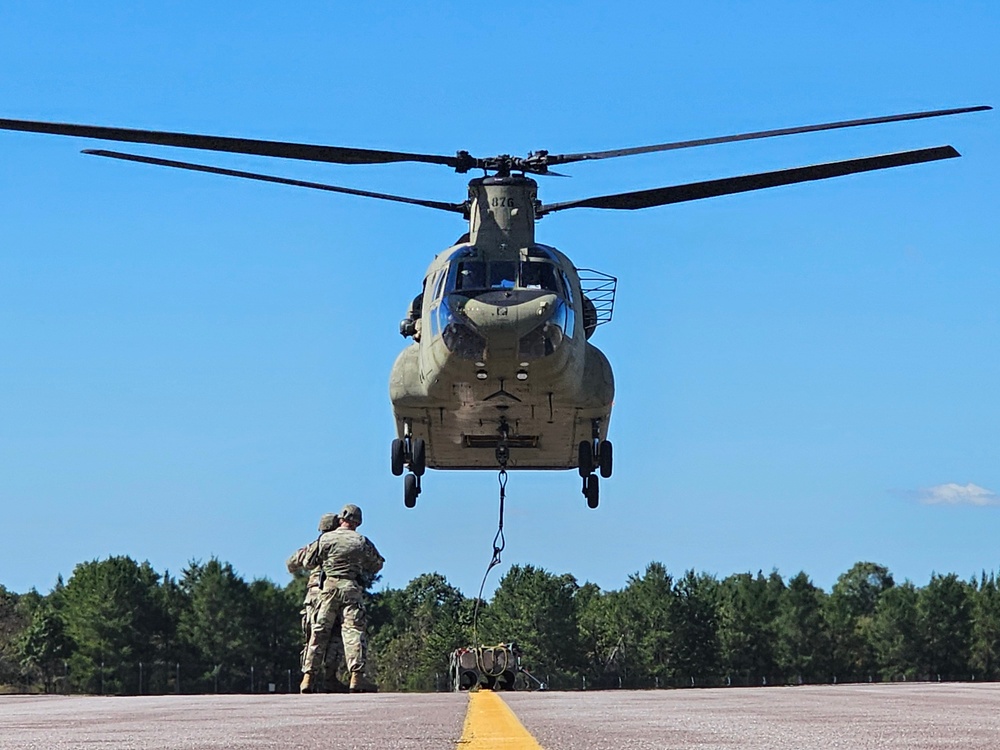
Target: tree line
118	627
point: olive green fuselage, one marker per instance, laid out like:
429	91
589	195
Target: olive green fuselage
500	346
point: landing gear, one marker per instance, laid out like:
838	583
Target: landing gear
398	457
591	490
418	456
594	455
585	458
411	488
606	459
409	452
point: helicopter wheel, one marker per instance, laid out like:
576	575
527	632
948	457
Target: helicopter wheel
411	488
398	457
585	459
591	490
605	461
418	456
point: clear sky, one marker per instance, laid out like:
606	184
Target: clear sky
194	365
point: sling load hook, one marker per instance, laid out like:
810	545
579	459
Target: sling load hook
503	449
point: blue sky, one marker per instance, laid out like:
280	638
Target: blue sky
193	365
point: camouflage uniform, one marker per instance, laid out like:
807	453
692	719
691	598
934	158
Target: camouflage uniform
304	560
346	557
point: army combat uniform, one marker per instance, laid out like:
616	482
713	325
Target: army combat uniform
304	560
345	557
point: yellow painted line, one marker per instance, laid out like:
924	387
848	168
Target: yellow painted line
491	725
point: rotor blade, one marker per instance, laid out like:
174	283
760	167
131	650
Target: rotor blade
711	188
306	152
566	158
452	207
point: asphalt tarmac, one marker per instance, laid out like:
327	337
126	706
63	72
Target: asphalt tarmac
911	716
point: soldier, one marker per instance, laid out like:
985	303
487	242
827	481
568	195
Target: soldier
305	560
346	558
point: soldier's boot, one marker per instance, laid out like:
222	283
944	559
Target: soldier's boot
306	685
361	684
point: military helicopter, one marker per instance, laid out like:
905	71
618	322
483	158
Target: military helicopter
501	372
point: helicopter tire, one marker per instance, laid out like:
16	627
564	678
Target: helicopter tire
398	457
592	490
418	461
410	491
585	459
606	459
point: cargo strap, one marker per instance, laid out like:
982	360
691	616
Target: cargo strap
495	670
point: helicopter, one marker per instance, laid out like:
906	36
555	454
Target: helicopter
500	371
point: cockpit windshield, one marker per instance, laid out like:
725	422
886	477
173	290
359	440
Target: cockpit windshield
539	274
503	274
474	276
470	275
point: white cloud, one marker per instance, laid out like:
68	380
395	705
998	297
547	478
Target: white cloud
958	494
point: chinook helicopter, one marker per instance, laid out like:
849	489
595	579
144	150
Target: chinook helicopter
501	372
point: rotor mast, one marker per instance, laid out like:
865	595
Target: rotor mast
502	211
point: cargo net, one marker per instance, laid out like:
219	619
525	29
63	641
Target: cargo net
490	668
599	290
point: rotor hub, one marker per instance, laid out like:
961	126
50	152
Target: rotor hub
503	165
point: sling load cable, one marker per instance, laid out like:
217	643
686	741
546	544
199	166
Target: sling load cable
503	455
498	546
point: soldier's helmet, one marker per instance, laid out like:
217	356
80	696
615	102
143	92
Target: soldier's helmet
328	522
351	513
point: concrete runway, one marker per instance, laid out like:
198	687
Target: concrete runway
911	716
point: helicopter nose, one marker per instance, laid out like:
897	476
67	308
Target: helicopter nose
514	316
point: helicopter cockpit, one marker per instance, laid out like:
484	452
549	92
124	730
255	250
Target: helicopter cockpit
502	283
537	271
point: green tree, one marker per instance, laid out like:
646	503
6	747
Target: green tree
803	637
985	655
894	636
748	608
598	618
945	622
417	629
13	621
645	647
849	611
172	651
275	632
45	647
694	627
215	628
112	612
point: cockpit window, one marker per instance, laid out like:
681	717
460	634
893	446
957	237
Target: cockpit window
477	276
438	285
539	275
503	274
470	275
539	272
